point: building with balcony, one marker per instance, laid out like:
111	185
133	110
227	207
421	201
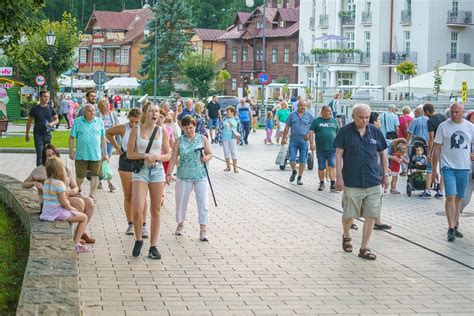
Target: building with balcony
111	43
382	36
205	41
245	56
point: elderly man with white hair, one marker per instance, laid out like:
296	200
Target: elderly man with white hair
361	165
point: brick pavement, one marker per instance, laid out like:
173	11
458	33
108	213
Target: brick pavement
271	252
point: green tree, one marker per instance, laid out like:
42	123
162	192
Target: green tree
438	80
199	72
32	57
406	68
16	20
222	77
169	25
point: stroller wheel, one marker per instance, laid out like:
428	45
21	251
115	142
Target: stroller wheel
409	188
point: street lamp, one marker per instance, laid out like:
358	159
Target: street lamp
317	69
50	39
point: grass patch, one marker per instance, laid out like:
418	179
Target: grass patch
13	258
60	140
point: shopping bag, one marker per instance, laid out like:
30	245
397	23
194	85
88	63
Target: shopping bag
106	172
280	159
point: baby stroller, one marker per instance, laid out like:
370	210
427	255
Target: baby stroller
416	173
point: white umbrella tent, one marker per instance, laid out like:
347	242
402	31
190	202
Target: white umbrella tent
452	76
120	83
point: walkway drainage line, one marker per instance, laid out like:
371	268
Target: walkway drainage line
339	211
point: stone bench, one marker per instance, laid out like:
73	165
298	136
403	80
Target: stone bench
50	284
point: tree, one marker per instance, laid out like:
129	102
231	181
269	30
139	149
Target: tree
222	77
406	68
17	19
438	80
169	25
32	57
199	72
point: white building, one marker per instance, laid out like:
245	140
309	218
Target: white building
386	32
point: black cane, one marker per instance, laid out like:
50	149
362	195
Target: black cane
207	174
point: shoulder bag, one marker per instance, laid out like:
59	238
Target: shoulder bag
389	134
137	164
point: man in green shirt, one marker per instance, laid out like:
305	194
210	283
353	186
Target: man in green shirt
323	131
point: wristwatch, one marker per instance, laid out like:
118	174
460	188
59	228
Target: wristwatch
386	174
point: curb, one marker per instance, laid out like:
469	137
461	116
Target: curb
62	151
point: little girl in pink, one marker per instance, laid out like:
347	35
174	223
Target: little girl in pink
269	128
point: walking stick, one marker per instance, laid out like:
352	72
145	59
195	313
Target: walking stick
207	174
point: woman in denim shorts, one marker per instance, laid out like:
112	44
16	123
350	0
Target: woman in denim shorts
151	176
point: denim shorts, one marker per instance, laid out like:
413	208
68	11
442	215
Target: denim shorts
150	174
213	123
455	181
429	168
301	146
324	156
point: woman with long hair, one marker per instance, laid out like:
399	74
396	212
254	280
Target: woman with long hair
110	120
150	176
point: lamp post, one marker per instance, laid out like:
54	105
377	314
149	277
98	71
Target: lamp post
317	69
50	39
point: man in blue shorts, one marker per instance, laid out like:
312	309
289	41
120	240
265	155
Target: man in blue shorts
323	130
453	142
299	121
214	116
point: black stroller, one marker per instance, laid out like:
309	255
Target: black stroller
416	173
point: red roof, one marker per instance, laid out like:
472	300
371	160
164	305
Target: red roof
208	34
243	16
290	14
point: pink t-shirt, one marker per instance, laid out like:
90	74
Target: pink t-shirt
405	121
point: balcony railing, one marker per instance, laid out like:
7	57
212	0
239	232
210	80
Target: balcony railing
405	17
395	58
324	21
312	22
331	58
347	18
459	18
464	58
367	17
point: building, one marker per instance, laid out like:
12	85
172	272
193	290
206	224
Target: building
205	41
378	35
111	43
244	53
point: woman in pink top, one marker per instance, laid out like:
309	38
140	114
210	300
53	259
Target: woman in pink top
405	121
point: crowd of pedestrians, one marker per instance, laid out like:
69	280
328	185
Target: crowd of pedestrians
158	146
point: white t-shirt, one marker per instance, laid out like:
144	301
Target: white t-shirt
456	140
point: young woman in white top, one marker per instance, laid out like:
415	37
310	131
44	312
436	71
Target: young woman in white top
125	165
151	176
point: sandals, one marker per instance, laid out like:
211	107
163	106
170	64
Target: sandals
179	229
366	254
227	169
87	239
382	226
81	248
346	244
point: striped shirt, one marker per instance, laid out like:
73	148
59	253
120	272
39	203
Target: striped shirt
51	189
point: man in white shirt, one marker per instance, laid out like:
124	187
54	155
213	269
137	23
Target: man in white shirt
453	142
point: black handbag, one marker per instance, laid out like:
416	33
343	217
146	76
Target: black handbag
138	164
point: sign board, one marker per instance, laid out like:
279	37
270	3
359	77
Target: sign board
100	77
264	78
464	92
27	90
40	80
6	71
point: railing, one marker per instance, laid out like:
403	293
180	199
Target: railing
331	58
324	21
312	23
405	17
347	20
464	58
459	18
367	17
394	58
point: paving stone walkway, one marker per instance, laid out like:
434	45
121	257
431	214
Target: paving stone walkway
274	249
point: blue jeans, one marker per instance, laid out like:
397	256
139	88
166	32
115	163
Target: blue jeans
40	141
324	156
455	181
245	130
298	145
213	123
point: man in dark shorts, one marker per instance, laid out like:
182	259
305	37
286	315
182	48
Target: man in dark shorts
361	157
214	116
45	119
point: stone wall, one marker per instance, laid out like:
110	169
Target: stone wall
50	283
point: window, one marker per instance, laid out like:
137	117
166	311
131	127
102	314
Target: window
324	79
240	27
282	23
366	78
454	44
259	56
406	36
344	78
274	55
234	84
117	56
350	40
408	5
234	55
110	56
309	81
351	5
260	25
245	53
83	56
325	7
368	5
124	55
455	7
286	55
97	56
367	44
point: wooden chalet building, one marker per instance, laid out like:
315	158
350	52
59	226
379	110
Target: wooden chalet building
111	43
244	49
